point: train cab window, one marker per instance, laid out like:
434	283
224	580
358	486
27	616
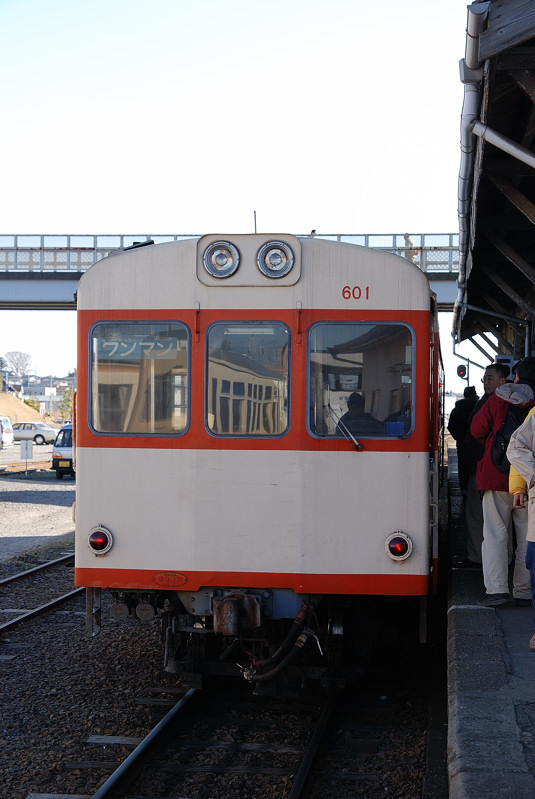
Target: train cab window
360	379
139	378
247	379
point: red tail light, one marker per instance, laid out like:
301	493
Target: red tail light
398	546
100	540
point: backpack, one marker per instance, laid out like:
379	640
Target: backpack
513	419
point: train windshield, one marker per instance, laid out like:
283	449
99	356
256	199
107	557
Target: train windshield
139	378
360	379
247	379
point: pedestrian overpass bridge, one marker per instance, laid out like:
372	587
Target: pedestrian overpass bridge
42	271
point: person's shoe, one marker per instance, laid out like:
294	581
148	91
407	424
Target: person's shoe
522	603
492	600
532	643
466	563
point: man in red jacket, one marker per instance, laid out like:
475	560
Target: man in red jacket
470	452
497	502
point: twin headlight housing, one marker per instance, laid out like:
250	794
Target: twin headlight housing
275	259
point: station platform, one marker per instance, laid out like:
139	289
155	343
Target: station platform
491	680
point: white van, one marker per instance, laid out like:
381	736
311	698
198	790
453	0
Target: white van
6	432
62	453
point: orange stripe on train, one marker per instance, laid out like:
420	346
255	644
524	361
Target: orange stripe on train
388	584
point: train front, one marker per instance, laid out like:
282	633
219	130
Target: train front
254	433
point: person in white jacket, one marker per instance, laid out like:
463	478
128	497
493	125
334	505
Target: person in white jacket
521	456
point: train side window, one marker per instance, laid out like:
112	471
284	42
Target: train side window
360	379
139	378
247	379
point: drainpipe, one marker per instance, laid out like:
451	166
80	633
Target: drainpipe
471	72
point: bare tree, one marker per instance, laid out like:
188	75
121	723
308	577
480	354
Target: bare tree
18	362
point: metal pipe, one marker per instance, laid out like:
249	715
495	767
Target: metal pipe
477	16
527	340
503	143
468	118
494	313
471	76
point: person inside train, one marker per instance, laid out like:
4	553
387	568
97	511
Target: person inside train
356	420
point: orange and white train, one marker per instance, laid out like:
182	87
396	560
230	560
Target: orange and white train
222	484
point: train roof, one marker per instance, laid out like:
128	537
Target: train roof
327	274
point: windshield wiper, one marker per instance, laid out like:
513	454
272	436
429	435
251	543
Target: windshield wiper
348	435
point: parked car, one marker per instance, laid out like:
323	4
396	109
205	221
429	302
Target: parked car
6	432
62	453
39	432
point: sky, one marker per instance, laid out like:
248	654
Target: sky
190	116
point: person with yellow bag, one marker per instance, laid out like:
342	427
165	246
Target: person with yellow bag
521	456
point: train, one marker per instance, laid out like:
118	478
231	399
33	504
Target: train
257	450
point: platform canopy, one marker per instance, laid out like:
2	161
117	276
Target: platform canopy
496	288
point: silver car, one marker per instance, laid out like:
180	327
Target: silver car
39	432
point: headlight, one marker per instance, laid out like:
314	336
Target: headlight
275	259
221	259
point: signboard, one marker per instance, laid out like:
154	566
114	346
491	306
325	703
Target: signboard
26	450
137	349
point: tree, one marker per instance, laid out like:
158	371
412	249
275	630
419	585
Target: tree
18	362
33	404
65	406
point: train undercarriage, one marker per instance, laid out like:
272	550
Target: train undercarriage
241	633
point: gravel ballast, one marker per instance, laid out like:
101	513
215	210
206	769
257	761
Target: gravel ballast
58	687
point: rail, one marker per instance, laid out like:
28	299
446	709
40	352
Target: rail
123	775
434	253
41	567
33	612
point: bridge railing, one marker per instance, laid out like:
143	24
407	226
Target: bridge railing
435	253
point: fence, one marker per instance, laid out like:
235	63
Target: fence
432	252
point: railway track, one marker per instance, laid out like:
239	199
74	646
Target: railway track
203	744
30	586
167	754
223	742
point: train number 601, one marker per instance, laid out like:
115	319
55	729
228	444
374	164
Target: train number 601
356	293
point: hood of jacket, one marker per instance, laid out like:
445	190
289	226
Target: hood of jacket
515	393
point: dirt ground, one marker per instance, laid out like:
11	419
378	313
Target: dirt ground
36	509
18	411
